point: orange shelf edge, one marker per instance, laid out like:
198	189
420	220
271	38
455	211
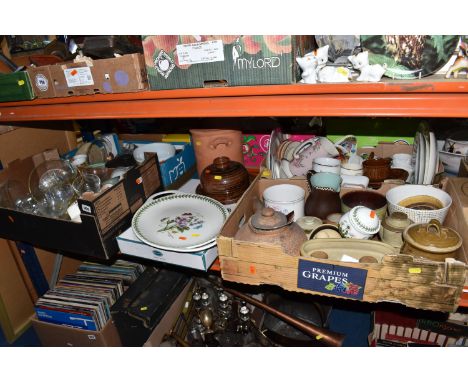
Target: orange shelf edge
404	99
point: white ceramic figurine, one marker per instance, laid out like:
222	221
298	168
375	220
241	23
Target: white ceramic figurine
311	63
369	73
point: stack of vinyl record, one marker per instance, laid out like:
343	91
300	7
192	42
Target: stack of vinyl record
83	300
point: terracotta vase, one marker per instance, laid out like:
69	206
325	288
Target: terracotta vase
213	143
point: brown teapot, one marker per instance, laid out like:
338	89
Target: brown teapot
273	227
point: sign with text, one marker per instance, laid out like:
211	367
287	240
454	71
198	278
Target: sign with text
331	279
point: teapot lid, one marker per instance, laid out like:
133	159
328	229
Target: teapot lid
267	219
432	237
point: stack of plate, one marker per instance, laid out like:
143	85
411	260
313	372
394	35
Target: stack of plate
179	222
425	157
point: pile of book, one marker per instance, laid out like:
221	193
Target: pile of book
83	300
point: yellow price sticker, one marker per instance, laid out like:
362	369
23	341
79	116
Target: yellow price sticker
218	177
143	308
414	270
319	337
342	71
266	173
21	82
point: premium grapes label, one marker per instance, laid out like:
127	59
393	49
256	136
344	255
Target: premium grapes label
332	279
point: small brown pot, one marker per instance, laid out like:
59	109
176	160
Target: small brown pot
224	180
377	170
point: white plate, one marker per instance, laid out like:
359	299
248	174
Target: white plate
426	155
422	158
433	160
162	149
415	158
180	222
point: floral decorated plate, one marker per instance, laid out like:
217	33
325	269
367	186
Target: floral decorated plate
180	222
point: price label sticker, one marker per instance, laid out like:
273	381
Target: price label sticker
414	270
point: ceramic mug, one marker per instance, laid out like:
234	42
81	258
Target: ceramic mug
305	153
285	198
326	164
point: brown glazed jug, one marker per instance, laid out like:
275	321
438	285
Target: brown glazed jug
209	144
324	197
273	227
224	180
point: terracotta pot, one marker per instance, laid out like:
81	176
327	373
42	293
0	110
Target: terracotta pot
377	170
224	180
272	227
431	240
209	144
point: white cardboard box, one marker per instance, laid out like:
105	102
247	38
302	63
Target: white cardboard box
129	244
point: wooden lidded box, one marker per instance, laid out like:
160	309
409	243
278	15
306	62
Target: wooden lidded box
416	283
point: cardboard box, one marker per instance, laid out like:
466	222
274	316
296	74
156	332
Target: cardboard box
178	62
61	335
102	219
129	244
15	87
414	282
110	75
176	170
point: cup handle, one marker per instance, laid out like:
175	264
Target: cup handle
158	195
300	148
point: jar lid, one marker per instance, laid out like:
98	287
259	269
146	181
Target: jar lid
267	219
364	219
396	222
432	237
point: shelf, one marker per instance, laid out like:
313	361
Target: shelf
416	98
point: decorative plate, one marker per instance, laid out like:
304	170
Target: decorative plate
410	56
180	222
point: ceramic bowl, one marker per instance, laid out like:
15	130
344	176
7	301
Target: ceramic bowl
359	223
326	231
451	161
421	202
370	199
326	180
456	146
355	181
285	198
163	150
326	164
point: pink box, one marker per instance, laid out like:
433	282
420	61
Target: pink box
255	146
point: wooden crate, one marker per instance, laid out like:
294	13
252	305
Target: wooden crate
403	279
